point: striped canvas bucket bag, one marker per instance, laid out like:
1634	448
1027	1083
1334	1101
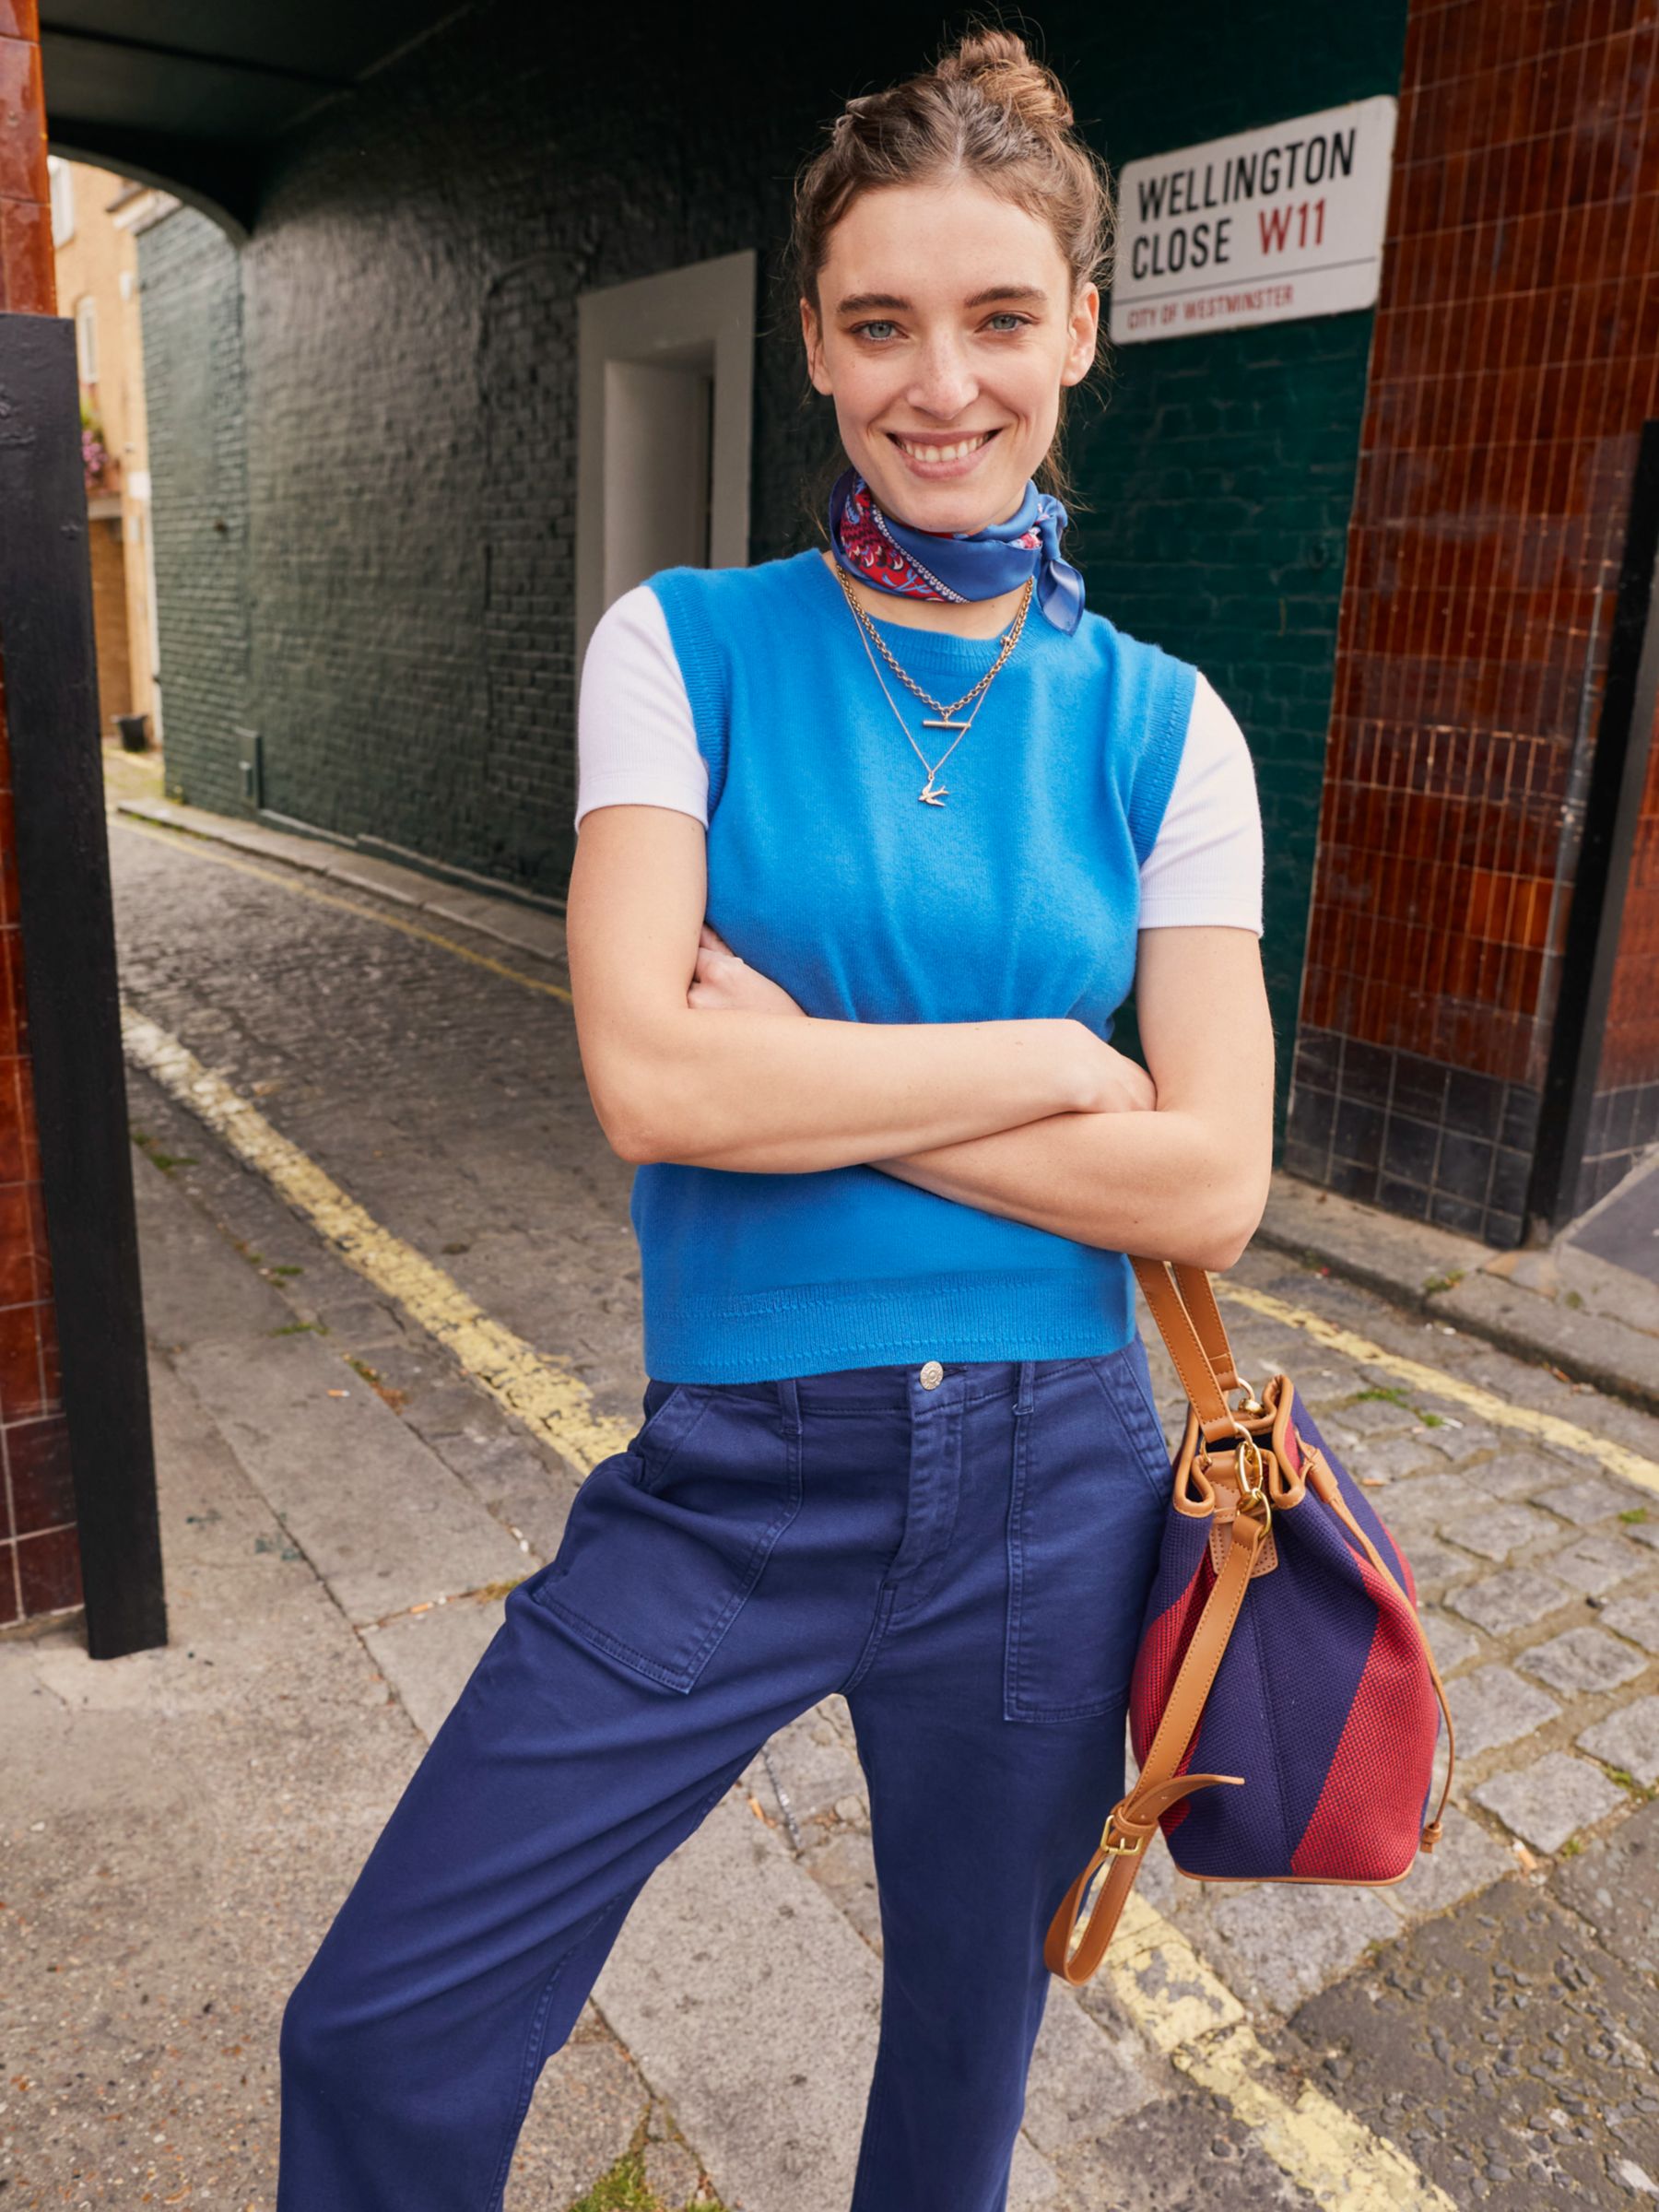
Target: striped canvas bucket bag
1285	1707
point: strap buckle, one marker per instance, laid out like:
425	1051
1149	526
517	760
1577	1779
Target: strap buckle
1130	1849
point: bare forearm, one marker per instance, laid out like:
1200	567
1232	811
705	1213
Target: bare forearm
1154	1181
787	1094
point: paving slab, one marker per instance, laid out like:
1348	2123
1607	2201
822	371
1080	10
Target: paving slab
1580	1662
1628	1739
1278	1942
1551	1800
1090	2070
1637	1618
1502	1531
1583	1503
340	1471
1516	1597
1450	1641
1598	1562
1494	1706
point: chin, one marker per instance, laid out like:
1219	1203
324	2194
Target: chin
944	507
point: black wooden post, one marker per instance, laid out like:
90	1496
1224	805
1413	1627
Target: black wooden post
68	933
1618	774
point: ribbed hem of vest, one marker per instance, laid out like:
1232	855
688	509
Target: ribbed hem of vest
812	1328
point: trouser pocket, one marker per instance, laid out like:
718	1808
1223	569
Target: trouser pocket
667	1538
1089	1492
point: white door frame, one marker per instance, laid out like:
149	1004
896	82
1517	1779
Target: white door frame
705	304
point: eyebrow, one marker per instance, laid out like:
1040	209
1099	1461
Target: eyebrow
856	302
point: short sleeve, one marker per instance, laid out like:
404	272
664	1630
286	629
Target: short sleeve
1206	862
636	741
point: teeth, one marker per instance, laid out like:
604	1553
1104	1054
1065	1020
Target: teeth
944	453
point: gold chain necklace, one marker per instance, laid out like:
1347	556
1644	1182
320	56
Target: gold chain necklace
932	795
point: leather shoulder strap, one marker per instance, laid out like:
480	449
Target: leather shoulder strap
1190	1322
1131	1823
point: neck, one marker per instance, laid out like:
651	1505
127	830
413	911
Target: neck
974	619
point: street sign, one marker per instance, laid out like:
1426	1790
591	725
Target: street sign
1264	226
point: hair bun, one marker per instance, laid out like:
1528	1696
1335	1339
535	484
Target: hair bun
1000	66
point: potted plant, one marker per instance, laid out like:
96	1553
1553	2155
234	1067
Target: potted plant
95	455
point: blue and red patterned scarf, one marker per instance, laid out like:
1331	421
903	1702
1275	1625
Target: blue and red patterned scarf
957	564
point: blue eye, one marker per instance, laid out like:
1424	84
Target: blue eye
879	324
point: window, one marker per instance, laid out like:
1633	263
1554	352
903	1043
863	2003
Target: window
85	338
664	389
62	200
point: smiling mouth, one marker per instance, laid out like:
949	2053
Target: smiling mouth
921	448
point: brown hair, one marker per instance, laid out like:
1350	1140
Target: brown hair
987	109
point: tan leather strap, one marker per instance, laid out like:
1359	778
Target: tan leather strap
1131	1822
1198	1296
1190	1322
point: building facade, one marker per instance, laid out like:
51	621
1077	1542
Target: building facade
96	258
1391	534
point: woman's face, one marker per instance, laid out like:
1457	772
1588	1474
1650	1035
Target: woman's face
948	326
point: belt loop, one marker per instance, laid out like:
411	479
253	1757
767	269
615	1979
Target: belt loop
1025	1390
789	1404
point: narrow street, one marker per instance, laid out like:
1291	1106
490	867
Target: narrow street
347	1496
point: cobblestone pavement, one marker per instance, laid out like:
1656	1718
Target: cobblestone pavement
1494	2014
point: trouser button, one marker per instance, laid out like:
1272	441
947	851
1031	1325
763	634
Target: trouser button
933	1374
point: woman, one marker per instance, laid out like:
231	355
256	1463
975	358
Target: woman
900	1439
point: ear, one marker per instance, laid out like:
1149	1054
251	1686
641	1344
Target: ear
812	338
1084	328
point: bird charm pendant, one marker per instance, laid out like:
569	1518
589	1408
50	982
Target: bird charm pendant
933	797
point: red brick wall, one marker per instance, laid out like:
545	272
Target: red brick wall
1514	357
39	1559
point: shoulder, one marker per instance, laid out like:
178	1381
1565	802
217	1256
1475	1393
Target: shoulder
1150	693
1207	864
1146	666
730	594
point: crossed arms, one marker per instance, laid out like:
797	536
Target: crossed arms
690	1055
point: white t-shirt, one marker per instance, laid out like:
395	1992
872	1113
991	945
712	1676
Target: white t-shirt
636	744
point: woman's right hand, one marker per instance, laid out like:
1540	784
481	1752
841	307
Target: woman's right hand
1110	1081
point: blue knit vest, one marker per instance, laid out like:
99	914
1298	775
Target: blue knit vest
1019	897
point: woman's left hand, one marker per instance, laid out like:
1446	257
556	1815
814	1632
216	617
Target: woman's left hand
724	980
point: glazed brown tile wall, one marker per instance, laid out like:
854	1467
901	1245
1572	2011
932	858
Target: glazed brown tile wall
39	1559
1515	355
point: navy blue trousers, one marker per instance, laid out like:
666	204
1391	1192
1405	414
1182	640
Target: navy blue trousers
967	1563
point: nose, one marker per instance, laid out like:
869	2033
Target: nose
943	383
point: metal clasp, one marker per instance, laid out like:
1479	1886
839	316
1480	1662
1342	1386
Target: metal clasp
1250	1464
1119	1851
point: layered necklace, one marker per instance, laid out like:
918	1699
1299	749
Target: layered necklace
944	717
